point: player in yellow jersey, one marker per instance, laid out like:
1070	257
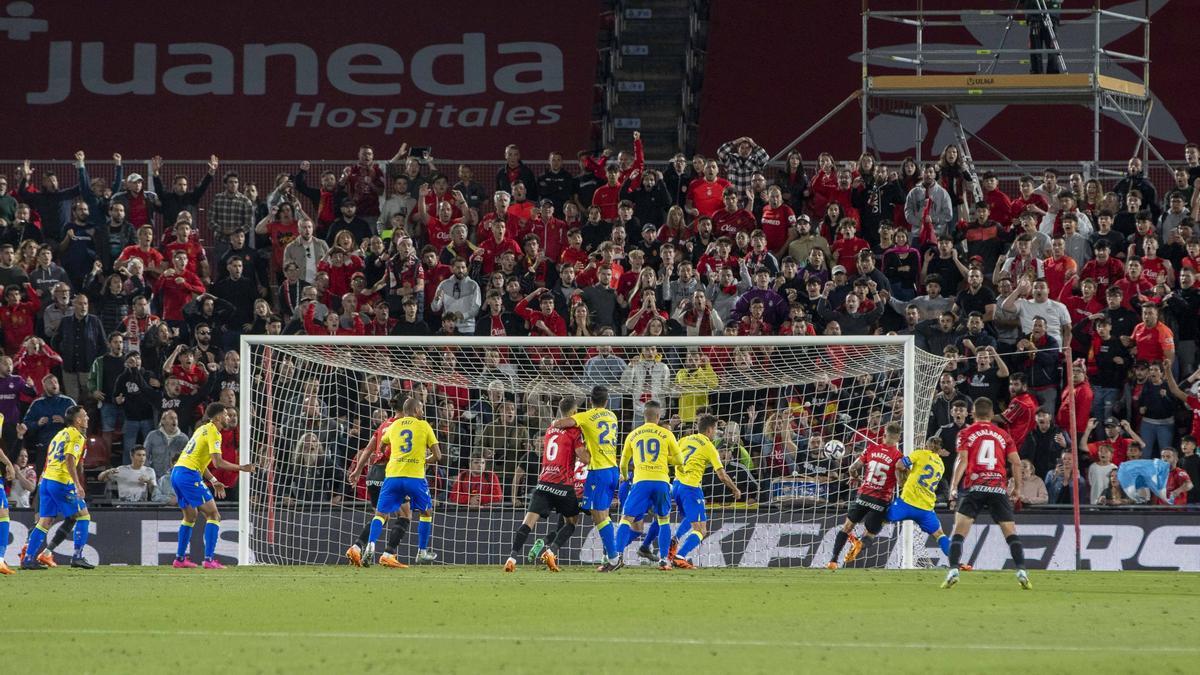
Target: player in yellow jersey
188	477
699	453
61	490
920	473
652	449
600	427
412	443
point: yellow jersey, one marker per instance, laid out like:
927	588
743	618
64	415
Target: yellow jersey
652	449
409	439
600	427
199	451
699	453
66	443
925	469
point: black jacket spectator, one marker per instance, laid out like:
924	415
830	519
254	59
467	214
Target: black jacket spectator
649	204
79	341
173	203
523	174
557	186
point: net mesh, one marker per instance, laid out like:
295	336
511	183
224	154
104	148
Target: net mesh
785	411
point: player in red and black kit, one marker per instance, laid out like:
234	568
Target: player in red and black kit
877	465
376	456
555	490
983	448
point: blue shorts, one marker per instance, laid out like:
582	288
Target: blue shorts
902	510
58	499
190	490
690	501
648	495
623	491
600	488
3	498
394	490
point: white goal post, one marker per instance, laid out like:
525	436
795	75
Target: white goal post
785	403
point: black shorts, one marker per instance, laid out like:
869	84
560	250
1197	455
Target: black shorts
375	476
974	501
559	498
869	511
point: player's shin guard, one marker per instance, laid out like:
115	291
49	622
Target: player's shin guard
185	538
690	542
608	535
839	542
1017	551
424	532
81	534
396	535
376	529
664	537
563	535
624	536
4	525
37	539
212	532
956	544
518	541
944	544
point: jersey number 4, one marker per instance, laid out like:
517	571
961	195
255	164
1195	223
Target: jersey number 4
986	457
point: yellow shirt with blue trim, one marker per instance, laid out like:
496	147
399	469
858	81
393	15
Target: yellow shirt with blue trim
409	439
699	453
199	451
652	449
925	469
599	427
66	443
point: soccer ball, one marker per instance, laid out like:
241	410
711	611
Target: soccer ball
834	450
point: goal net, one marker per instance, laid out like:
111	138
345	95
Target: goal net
787	406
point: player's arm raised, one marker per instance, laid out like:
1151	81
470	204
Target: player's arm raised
564	423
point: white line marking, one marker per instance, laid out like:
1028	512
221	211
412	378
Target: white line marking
616	640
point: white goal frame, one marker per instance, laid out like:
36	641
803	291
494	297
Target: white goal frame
908	342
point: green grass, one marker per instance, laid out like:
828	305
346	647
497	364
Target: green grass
479	620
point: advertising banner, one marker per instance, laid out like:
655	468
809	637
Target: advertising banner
270	80
1111	540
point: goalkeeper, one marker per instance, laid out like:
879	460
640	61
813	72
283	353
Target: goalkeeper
376	455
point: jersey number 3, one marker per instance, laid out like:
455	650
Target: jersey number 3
406	441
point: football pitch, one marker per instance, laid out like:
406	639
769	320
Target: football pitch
638	620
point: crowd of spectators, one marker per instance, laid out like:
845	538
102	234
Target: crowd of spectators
112	301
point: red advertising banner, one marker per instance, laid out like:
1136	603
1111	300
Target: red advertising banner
774	69
275	79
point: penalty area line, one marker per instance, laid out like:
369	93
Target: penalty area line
616	640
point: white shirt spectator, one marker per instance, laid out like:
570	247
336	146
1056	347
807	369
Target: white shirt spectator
135	482
1097	478
1054	312
460	296
18	494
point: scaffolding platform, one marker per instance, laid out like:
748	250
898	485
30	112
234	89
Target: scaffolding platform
1074	88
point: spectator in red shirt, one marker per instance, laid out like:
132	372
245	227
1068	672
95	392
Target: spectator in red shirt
847	245
1104	268
197	259
1152	340
543	322
777	222
176	287
183	366
753	323
705	195
476	487
823	183
731	219
492	247
1178	481
363	182
18	316
1022	409
551	232
35	361
1133	284
152	260
1028	200
998	203
607	196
